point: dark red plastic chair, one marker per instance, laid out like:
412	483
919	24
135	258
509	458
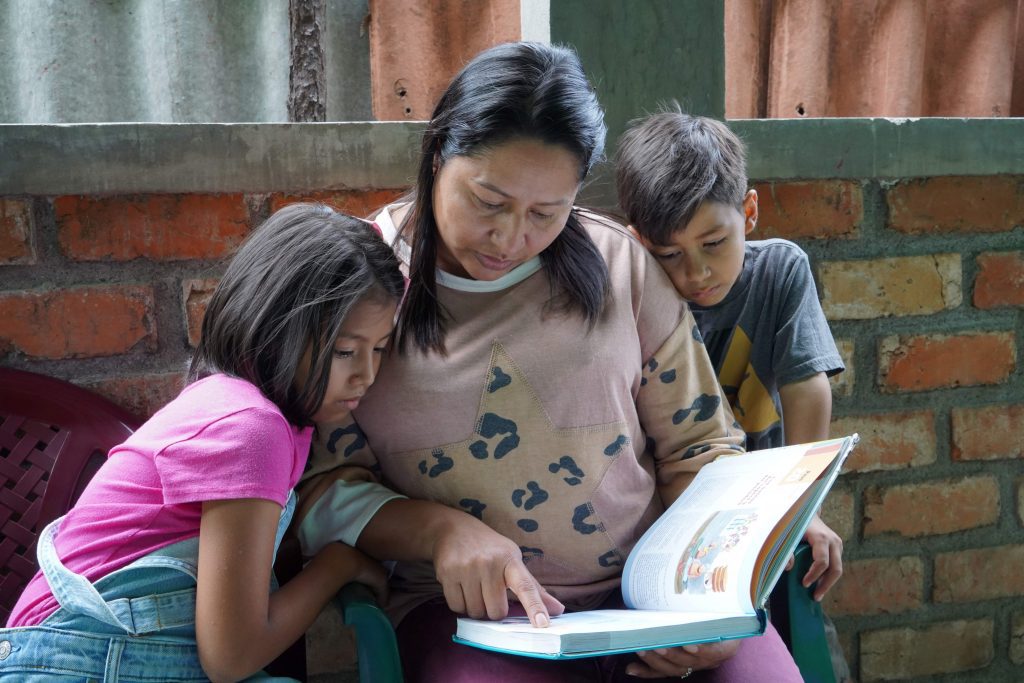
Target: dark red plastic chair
53	437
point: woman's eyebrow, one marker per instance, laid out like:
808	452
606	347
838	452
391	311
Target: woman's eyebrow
492	188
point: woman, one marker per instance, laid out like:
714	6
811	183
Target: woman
548	382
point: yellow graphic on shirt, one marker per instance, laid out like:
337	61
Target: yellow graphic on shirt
750	401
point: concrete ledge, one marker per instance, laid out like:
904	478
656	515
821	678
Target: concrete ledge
126	158
793	149
242	157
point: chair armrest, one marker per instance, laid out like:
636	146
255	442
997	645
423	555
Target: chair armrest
806	624
376	646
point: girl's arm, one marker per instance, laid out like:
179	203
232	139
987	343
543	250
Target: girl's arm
240	625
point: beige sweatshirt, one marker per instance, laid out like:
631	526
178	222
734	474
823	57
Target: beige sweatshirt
554	435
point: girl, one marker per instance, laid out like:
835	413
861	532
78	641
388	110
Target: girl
162	570
561	396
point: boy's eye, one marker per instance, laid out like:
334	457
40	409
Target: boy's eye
712	245
380	349
542	216
666	257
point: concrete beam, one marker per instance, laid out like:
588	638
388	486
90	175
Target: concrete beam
790	149
151	157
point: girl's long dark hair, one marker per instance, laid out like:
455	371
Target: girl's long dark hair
287	290
512	91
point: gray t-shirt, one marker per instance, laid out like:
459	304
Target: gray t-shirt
768	332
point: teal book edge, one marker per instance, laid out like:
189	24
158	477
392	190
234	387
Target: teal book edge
762	618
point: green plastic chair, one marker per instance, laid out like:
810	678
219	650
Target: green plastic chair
376	647
800	622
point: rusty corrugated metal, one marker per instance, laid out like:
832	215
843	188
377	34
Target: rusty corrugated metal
796	58
168	61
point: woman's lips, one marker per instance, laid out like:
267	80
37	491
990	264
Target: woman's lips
493	263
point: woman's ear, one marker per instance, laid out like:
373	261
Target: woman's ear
749	211
437	162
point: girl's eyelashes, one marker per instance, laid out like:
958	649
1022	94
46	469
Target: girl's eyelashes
380	349
666	257
344	353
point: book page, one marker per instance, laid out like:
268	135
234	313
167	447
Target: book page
702	553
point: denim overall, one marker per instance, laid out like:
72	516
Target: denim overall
134	624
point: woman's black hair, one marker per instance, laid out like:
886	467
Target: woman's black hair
287	291
512	91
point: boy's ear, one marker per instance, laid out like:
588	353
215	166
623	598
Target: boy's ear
750	211
643	240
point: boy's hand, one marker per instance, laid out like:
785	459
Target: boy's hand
827	551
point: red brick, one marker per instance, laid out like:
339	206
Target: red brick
937	507
818	209
889	441
938	361
842	384
979	574
196	296
78	323
899	654
16	232
878	288
359	203
881	586
837	512
956	204
1017	638
1000	280
158	227
989	433
142	395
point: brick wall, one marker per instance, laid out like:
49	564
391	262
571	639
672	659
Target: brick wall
109	291
923	283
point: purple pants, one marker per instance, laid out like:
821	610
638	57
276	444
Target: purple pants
429	655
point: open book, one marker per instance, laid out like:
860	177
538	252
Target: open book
704	570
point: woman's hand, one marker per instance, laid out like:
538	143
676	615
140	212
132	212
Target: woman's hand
682	661
477	566
827	551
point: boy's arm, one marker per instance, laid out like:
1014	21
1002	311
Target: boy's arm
807	411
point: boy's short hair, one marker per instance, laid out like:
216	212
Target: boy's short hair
668	164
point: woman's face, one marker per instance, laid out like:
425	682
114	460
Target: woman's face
499	208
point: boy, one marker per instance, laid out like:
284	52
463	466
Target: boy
682	183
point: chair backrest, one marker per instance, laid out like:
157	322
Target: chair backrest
53	437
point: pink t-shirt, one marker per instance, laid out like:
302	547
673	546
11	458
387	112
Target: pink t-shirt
219	439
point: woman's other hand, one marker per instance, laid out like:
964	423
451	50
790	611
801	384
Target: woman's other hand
682	661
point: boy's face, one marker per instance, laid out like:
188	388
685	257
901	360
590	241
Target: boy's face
705	257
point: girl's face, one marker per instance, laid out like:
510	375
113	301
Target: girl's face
500	208
361	343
